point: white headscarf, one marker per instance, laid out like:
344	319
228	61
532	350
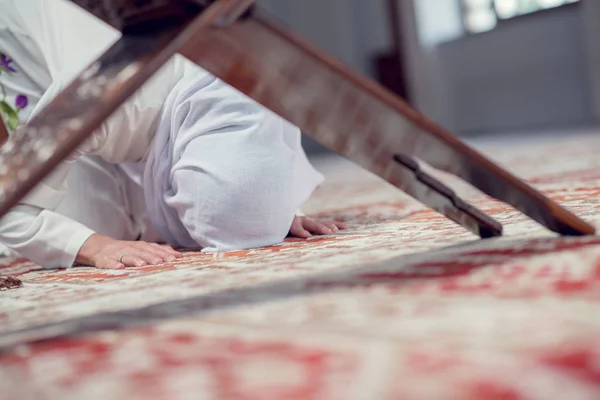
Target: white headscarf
224	173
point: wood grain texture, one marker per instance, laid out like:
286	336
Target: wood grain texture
354	116
3	132
344	111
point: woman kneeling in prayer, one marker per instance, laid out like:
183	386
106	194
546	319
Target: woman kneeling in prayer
187	162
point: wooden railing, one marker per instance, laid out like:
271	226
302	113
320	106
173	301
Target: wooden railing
3	132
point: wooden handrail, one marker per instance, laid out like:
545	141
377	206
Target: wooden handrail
3	132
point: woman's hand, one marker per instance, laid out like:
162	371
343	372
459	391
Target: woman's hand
106	253
305	227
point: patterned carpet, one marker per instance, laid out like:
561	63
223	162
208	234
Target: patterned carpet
404	305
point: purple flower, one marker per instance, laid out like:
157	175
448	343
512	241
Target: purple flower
21	101
5	62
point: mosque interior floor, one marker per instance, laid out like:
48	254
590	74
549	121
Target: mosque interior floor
404	304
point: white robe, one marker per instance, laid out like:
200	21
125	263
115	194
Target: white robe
223	172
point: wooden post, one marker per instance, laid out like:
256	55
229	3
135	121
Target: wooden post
3	132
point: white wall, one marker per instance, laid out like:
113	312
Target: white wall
438	21
591	22
351	30
533	72
529	73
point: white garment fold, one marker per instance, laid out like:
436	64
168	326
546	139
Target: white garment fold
51	41
224	172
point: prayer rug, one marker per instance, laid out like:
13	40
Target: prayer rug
403	305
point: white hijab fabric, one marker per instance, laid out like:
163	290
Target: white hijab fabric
224	173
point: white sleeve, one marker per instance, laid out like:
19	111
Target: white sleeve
33	229
43	31
68	37
36	232
43	236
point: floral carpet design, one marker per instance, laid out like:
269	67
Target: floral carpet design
403	305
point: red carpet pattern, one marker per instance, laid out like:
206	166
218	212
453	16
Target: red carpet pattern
403	305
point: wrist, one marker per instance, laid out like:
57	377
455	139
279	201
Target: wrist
90	249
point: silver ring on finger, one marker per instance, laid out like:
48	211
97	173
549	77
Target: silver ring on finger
121	258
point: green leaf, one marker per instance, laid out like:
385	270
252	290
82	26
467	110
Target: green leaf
13	122
13	117
5	107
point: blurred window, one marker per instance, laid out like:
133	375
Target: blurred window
483	15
